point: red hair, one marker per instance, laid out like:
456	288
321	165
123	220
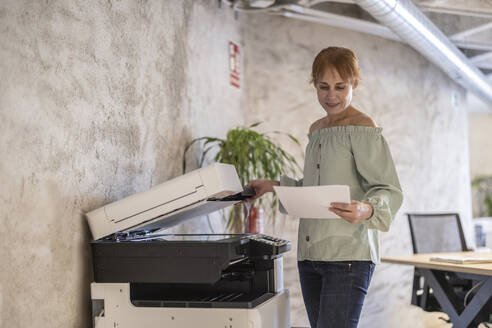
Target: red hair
343	60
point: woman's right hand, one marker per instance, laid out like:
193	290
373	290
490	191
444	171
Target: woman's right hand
261	186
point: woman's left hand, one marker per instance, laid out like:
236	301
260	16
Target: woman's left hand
354	212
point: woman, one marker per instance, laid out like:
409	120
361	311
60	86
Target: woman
336	258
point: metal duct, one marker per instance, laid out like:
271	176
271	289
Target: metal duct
411	25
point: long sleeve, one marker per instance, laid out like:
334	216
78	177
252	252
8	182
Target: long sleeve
379	179
288	182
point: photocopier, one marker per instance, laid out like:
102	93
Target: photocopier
146	278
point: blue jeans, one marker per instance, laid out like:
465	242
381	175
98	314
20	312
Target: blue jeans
334	292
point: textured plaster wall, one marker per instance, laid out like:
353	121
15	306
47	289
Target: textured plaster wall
407	96
97	100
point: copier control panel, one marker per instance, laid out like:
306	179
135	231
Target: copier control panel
262	245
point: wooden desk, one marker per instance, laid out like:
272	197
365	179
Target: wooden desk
434	272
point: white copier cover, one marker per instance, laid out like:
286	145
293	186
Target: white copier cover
196	193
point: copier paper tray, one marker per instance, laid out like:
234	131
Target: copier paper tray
203	296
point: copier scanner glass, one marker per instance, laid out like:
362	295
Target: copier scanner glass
190	237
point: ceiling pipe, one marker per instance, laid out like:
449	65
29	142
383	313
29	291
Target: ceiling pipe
412	26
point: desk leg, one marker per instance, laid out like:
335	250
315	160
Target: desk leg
460	316
443	293
480	299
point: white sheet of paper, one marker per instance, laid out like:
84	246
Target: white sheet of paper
312	202
458	259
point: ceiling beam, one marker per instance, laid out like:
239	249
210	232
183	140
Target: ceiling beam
310	3
477	29
477	8
484	65
474	45
480	58
323	17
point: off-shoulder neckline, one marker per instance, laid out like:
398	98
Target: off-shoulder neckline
347	129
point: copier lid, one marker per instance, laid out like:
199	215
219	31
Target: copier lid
171	203
181	216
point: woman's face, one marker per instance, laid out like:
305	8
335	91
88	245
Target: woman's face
334	94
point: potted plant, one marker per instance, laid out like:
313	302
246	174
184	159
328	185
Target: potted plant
482	187
254	156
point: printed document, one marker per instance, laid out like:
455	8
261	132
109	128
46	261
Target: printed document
312	202
458	259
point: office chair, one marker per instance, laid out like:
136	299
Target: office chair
432	233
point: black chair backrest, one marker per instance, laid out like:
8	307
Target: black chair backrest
433	233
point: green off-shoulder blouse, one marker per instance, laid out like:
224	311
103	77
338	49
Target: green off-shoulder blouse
357	156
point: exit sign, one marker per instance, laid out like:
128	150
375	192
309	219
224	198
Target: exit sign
234	63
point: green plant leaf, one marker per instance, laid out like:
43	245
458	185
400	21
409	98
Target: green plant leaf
294	139
254	155
488	204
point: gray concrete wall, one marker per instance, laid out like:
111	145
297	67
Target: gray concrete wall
407	96
97	100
